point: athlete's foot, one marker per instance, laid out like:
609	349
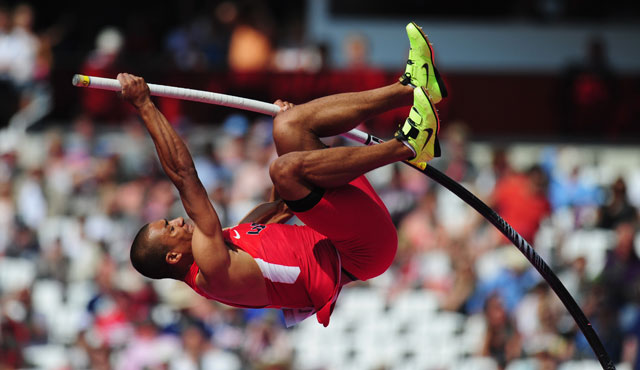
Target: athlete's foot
421	70
420	130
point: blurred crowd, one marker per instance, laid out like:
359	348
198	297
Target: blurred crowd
71	199
25	65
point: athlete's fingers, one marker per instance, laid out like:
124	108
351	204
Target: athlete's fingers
124	79
279	103
134	89
284	105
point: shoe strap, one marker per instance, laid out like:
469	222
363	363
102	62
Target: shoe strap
414	116
405	79
408	131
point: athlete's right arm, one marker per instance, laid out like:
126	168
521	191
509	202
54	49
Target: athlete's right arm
275	211
210	251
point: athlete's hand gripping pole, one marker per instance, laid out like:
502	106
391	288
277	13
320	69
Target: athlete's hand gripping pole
367	139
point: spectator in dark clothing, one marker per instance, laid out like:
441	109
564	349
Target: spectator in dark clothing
618	209
590	93
502	340
620	277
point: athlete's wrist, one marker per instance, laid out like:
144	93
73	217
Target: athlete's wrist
145	104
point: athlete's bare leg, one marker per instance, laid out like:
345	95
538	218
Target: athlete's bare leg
301	127
304	164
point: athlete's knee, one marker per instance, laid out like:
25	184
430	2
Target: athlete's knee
286	125
286	168
283	122
291	132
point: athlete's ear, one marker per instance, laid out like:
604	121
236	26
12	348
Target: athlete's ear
173	257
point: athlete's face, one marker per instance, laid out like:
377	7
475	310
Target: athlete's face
174	233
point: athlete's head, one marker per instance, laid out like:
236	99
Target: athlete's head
162	249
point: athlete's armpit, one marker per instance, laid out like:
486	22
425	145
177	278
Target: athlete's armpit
241	282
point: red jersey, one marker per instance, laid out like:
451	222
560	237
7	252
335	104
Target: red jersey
349	227
301	268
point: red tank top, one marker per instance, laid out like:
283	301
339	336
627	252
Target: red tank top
301	268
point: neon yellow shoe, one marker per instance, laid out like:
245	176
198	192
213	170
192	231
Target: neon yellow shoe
420	130
421	70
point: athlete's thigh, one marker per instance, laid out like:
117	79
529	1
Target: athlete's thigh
356	221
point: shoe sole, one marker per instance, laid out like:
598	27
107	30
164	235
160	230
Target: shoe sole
441	85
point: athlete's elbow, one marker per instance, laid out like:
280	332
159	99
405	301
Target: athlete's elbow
181	176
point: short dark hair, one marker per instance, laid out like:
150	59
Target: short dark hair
150	258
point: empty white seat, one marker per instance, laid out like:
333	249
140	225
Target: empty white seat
590	244
523	364
412	304
46	296
79	293
360	300
16	274
438	354
472	336
580	365
440	324
48	356
65	323
476	363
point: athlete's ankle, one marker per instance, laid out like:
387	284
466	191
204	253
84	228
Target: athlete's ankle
404	150
404	89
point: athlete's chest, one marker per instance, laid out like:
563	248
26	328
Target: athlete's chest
242	285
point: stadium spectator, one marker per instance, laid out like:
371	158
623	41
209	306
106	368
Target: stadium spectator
511	282
9	102
568	187
617	209
463	278
589	93
7	214
502	340
26	60
521	199
251	45
620	276
104	61
455	141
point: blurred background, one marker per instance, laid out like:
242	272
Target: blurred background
542	123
